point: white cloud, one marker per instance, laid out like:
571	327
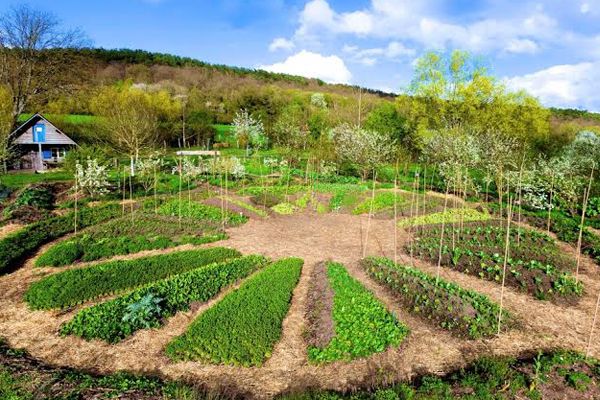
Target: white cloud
313	65
417	21
281	44
369	57
585	8
567	85
522	46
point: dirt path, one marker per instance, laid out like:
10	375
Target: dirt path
314	238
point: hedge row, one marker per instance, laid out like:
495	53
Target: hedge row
127	236
242	328
15	248
362	324
197	210
75	286
456	309
107	320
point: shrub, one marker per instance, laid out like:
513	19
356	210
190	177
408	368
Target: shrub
200	211
456	309
362	324
63	253
15	248
75	286
105	320
243	327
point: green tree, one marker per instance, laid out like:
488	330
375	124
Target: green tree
455	91
385	118
6	124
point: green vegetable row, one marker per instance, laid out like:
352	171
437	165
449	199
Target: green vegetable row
126	235
75	286
453	308
107	321
242	328
535	265
16	248
197	210
362	324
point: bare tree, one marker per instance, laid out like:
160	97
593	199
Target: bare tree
36	57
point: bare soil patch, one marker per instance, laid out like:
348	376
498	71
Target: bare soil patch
320	326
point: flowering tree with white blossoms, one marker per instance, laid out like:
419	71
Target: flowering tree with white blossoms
93	178
318	100
363	148
249	130
147	169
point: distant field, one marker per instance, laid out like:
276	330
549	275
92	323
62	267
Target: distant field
70	118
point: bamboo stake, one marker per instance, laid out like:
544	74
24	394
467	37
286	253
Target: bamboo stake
131	197
410	226
506	252
439	263
180	200
155	195
589	346
586	195
519	191
124	184
76	195
550	203
370	213
396	215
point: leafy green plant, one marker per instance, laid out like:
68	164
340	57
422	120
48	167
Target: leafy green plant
454	215
15	248
284	208
243	327
200	211
75	286
453	308
105	320
144	311
362	324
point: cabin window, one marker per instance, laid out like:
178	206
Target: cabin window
58	153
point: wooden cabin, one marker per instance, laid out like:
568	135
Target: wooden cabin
41	144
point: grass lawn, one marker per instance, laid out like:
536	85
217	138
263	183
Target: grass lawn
17	180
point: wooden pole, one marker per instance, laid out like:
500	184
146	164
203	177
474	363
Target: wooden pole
550	203
179	194
586	195
506	252
370	213
131	197
439	263
76	195
155	194
396	215
589	346
124	184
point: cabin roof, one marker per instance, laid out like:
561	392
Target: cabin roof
23	134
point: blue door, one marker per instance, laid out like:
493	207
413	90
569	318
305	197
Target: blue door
39	133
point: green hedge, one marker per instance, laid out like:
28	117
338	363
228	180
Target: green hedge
197	210
105	321
15	248
75	286
450	306
362	324
126	236
242	328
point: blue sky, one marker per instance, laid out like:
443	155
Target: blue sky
549	47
